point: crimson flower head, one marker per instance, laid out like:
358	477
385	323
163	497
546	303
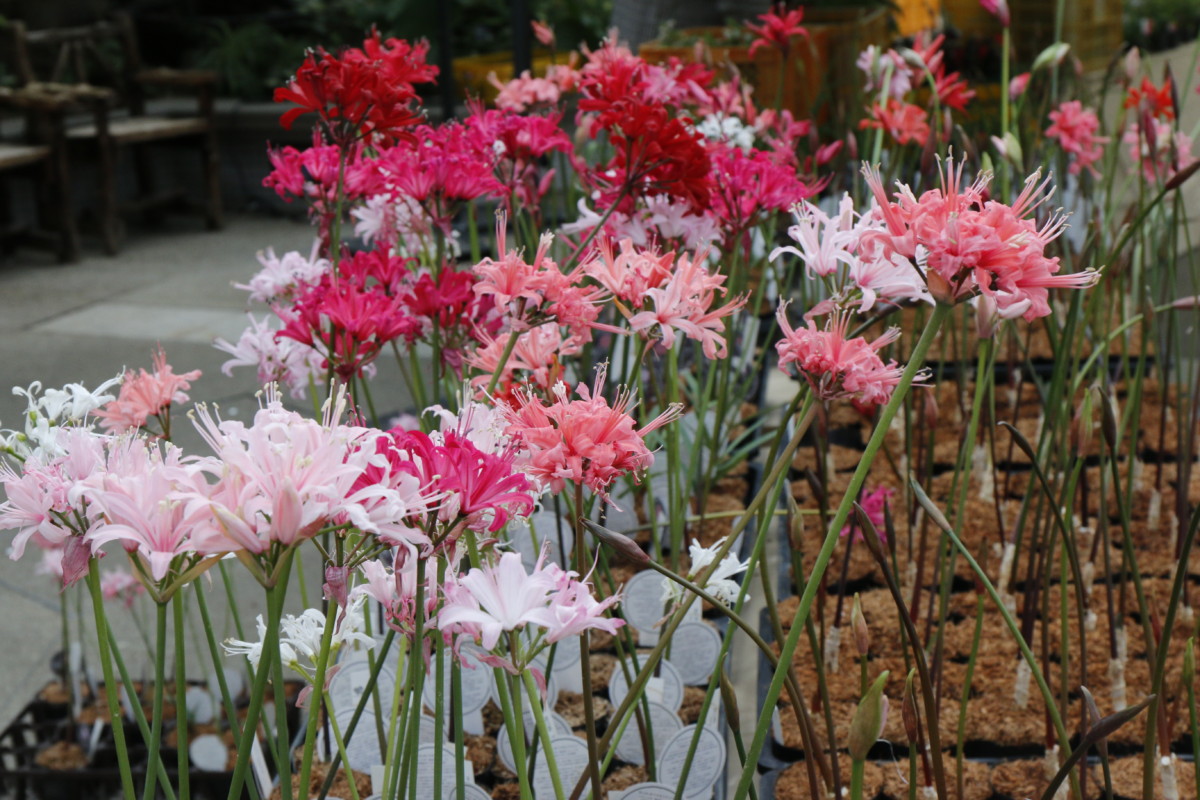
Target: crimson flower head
1156	101
361	91
777	29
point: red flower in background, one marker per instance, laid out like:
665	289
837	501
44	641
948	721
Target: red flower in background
777	29
361	92
904	122
1156	101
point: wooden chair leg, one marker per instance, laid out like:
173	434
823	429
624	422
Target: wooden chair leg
214	217
111	228
143	166
64	208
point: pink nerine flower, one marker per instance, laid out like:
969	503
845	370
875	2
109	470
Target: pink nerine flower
585	441
1075	128
973	245
837	367
146	394
686	303
486	602
875	504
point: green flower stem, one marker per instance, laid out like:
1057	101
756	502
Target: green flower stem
270	652
219	670
114	707
358	710
540	720
139	715
510	707
315	699
160	659
1060	730
768	491
283	743
831	538
857	768
1164	644
181	710
341	746
585	661
966	695
439	694
460	766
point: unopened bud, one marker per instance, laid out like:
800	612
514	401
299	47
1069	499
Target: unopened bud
1108	420
1081	427
908	711
869	719
619	542
858	623
1189	663
930	409
1051	56
1133	64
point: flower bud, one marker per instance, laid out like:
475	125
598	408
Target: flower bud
1108	420
1189	663
929	409
1081	427
1133	64
619	542
858	623
869	719
1051	56
1018	85
908	710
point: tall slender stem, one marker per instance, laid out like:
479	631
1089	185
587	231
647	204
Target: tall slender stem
585	663
160	658
831	538
181	709
110	683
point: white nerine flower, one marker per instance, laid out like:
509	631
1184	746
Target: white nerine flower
720	584
47	412
300	636
728	129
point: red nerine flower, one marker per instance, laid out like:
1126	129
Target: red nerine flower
777	29
1156	101
360	92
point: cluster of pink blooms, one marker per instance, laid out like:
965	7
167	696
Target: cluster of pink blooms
838	366
1075	129
146	394
891	78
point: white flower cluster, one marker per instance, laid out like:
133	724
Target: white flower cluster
48	412
300	637
720	584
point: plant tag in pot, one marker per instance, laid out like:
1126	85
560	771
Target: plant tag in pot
208	753
349	682
566	665
665	688
477	687
645	791
541	529
707	765
664	723
571	753
200	706
258	765
504	751
642	605
695	648
425	765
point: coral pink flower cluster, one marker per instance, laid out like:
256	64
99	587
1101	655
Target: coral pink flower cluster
837	366
1075	129
965	244
585	441
146	394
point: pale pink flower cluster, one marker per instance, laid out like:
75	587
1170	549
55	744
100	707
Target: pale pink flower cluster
840	246
836	366
276	359
280	278
585	441
670	294
1160	149
538	355
144	395
489	601
886	72
657	220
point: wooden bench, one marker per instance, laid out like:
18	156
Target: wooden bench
43	156
106	54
